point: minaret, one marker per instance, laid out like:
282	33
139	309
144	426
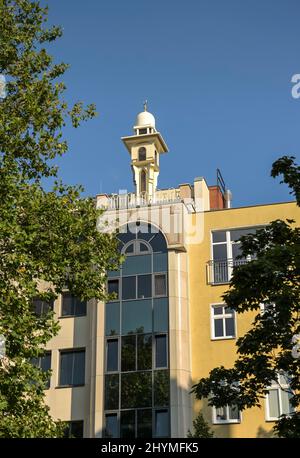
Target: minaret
145	147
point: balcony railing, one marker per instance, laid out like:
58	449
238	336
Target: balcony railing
219	272
131	200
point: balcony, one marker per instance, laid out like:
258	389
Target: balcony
220	272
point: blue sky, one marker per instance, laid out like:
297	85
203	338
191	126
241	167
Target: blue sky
217	76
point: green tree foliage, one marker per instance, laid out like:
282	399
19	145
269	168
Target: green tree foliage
50	237
273	277
200	428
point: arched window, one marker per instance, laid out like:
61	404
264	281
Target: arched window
136	247
143	181
142	154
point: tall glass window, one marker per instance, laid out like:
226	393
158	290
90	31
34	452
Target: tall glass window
137	381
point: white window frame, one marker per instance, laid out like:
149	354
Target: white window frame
216	421
279	388
228	244
223	316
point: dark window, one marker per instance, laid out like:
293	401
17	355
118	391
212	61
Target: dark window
161	388
142	131
160	285
144	352
113	288
112	391
41	307
111	425
136	390
144	286
127	424
112	318
144	423
219	236
43	363
128	288
142	151
158	243
143	247
162	423
129	248
112	347
128	359
220	252
72	306
74	429
137	317
72	368
161	351
143	179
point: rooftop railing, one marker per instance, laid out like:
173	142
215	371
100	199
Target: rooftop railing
131	200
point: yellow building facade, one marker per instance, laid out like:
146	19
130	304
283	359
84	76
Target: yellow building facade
126	368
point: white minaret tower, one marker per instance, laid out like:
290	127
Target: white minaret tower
145	147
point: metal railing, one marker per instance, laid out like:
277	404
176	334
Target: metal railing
219	272
131	200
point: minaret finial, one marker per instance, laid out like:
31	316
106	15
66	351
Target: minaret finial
145	105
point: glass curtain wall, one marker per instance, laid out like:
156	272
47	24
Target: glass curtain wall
137	380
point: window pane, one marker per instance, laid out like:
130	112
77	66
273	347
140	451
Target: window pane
144	352
161	423
285	402
273	399
137	317
67	305
228	310
45	362
66	368
80	307
218	310
128	353
128	424
128	288
161	388
144	286
76	429
143	247
136	390
112	355
219	252
238	233
161	351
113	288
112	392
219	236
111	425
161	315
158	243
218	324
160	285
234	413
229	327
112	318
160	262
129	248
221	414
236	251
79	368
144	423
139	264
41	307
